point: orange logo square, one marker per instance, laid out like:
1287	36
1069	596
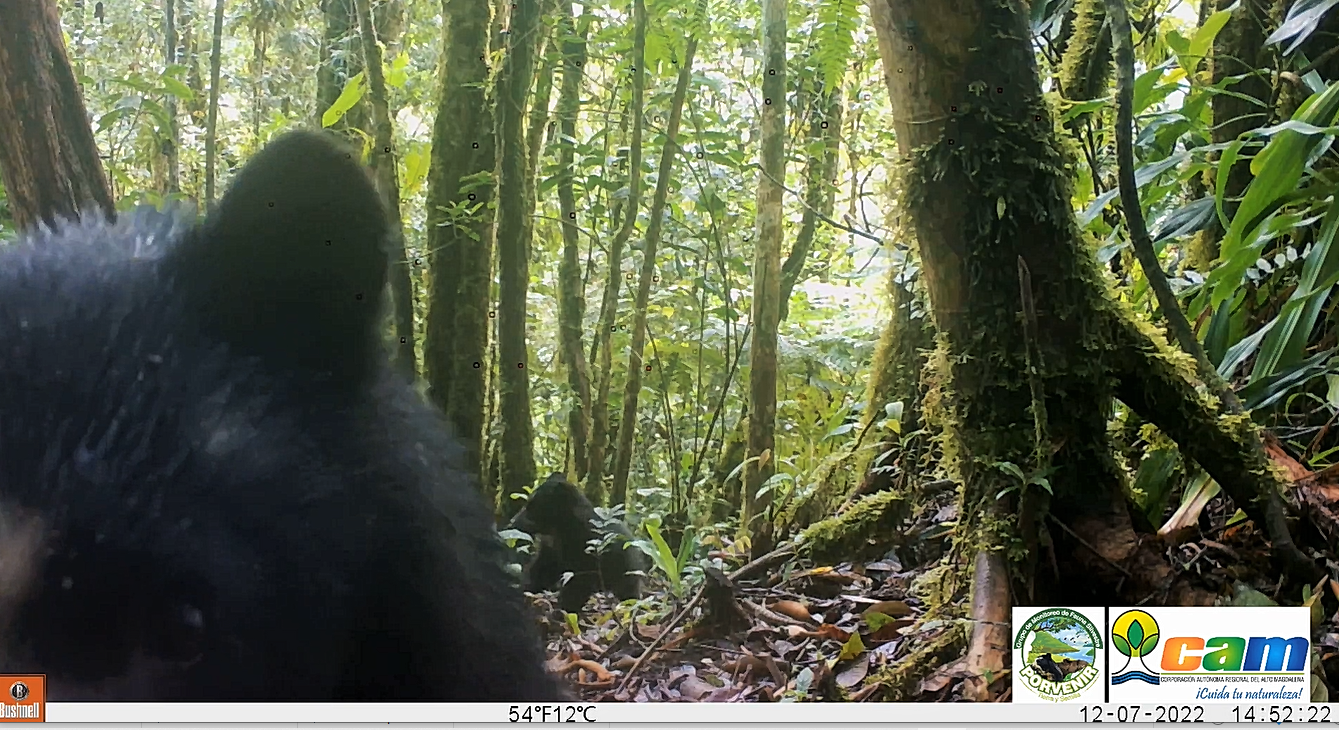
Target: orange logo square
22	698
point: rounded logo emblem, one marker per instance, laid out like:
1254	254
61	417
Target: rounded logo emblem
1059	654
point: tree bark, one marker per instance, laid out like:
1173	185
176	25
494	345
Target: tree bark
48	157
1013	286
1010	284
518	456
632	387
171	140
600	433
571	288
1238	50
766	280
384	163
460	226
820	190
339	63
211	131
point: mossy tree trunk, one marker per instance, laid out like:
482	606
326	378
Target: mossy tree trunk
48	157
766	310
1033	348
571	288
384	162
602	348
633	386
899	360
820	193
460	227
1238	51
513	237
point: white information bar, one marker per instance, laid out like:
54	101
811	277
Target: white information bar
692	713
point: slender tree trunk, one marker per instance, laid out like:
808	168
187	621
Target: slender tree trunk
384	162
211	134
171	139
571	288
600	432
187	26
632	387
820	190
767	280
48	157
518	456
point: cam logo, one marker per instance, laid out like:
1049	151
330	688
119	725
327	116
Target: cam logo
1056	656
1135	634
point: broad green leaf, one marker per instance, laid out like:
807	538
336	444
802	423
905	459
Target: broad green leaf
1147	648
1220	329
877	620
1263	393
1136	634
853	647
398	72
1185	220
1154	480
1287	341
1011	469
1143	85
1226	161
1278	170
352	92
1202	41
177	89
1301	21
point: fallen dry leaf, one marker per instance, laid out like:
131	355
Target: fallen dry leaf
890	630
695	689
828	632
744	664
793	609
891	608
855	672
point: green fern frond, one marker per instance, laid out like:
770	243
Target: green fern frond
835	38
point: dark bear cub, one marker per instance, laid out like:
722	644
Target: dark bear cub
213	487
563	522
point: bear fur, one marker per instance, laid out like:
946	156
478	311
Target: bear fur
213	485
564	522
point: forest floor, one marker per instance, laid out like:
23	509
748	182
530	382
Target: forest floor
885	630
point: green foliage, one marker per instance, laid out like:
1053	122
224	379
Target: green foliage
669	563
835	38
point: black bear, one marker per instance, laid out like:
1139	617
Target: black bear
563	522
1048	669
213	485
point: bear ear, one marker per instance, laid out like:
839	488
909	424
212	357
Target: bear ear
291	264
